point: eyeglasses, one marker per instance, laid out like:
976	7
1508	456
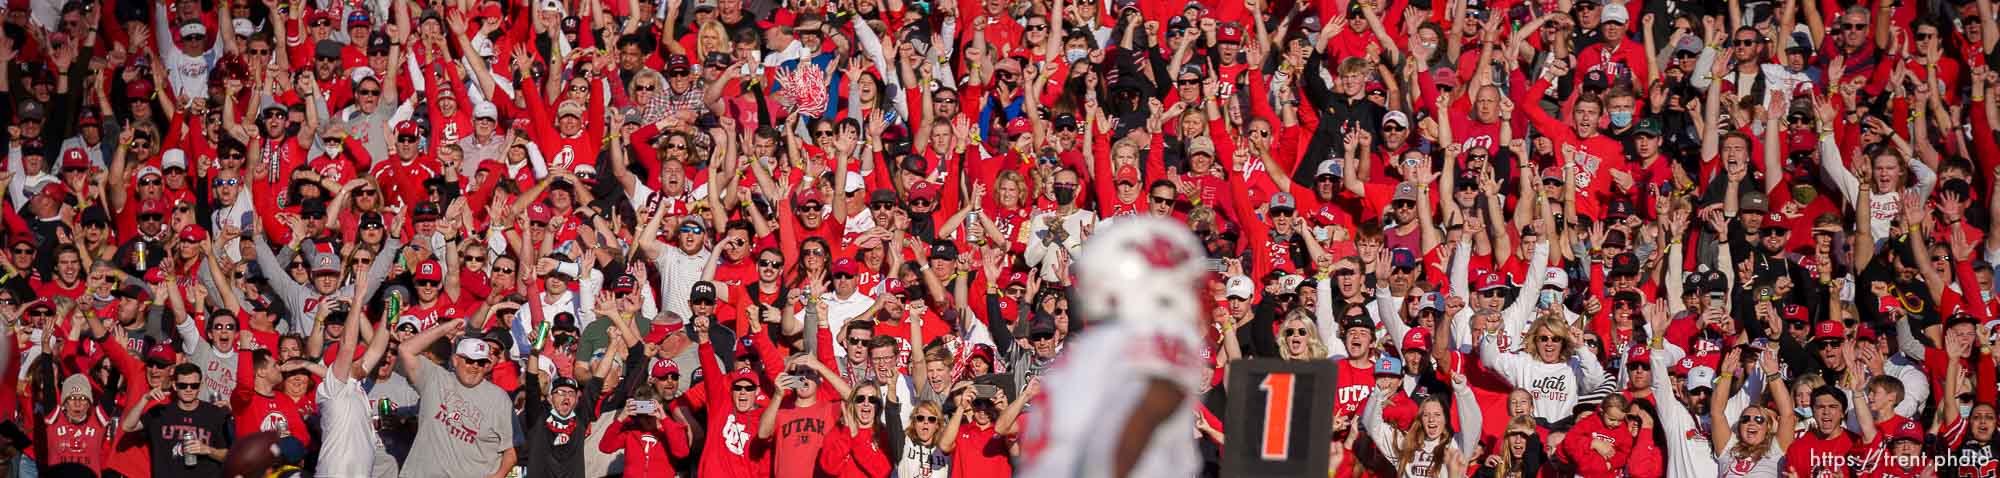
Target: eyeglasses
1163	200
945	99
187	386
924	419
1343	272
684	147
479	363
475	258
1743	42
811	206
368	92
1042	337
296	265
24	250
744	388
1261	133
149	182
428	283
503	270
1757	418
1295	332
260	51
644	88
1036	27
771	263
1547	338
364	192
407	139
814	251
1403	204
1854	26
220	182
691	229
822	133
842	276
868	399
1188	81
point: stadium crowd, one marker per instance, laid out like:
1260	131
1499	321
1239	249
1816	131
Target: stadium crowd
835	238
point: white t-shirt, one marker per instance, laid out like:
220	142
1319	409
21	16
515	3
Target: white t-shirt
1073	427
1764	467
348	441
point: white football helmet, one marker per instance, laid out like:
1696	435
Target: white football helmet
1140	269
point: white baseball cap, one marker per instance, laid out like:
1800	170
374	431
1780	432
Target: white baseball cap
1615	12
474	348
1557	279
1240	287
1700	377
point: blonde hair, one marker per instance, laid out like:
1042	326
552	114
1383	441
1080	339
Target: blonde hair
1315	349
1523	424
1553	326
1744	450
910	429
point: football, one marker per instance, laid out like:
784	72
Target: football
252	456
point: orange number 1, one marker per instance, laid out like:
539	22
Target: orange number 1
1277	415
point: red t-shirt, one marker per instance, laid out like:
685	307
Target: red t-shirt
1812	456
981	453
801	431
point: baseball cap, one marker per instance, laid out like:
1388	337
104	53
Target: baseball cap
1755	202
1396	117
1615	13
846	266
429	270
1240	287
1648	127
1829	330
625	283
1201	145
663	368
1284	200
474	348
703	291
1390	366
1700	376
1795	312
1402	258
1418	338
1907	431
1556	279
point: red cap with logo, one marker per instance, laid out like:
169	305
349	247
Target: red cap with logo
406	127
75	158
846	266
1418	338
429	270
193	233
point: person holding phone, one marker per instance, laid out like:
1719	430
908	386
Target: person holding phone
641	429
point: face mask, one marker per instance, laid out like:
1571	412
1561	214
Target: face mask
1804	412
1065	194
1548	298
1075	55
1964	410
1428	45
1621	118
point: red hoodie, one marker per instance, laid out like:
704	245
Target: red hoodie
731	447
1577	448
645	457
853	454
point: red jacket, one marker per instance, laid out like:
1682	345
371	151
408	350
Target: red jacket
851	454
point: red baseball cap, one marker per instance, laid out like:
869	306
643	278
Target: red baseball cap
406	127
429	270
75	158
1126	174
1639	354
193	233
663	368
1831	329
153	206
1418	338
1796	312
846	266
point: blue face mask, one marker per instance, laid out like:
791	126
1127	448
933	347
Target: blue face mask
1621	118
1964	410
1074	55
1804	412
1548	298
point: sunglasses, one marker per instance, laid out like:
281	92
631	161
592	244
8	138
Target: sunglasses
503	270
842	276
407	139
1547	338
924	419
868	399
1042	337
1295	332
1163	200
479	363
187	386
823	133
691	229
24	250
770	263
368	92
1344	272
814	252
428	283
149	182
1188	81
744	388
945	99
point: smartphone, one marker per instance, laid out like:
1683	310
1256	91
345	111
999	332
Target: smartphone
645	407
987	391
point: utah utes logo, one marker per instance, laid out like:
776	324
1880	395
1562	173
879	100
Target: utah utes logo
1160	252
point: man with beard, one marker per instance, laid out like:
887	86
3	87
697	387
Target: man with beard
1683	410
